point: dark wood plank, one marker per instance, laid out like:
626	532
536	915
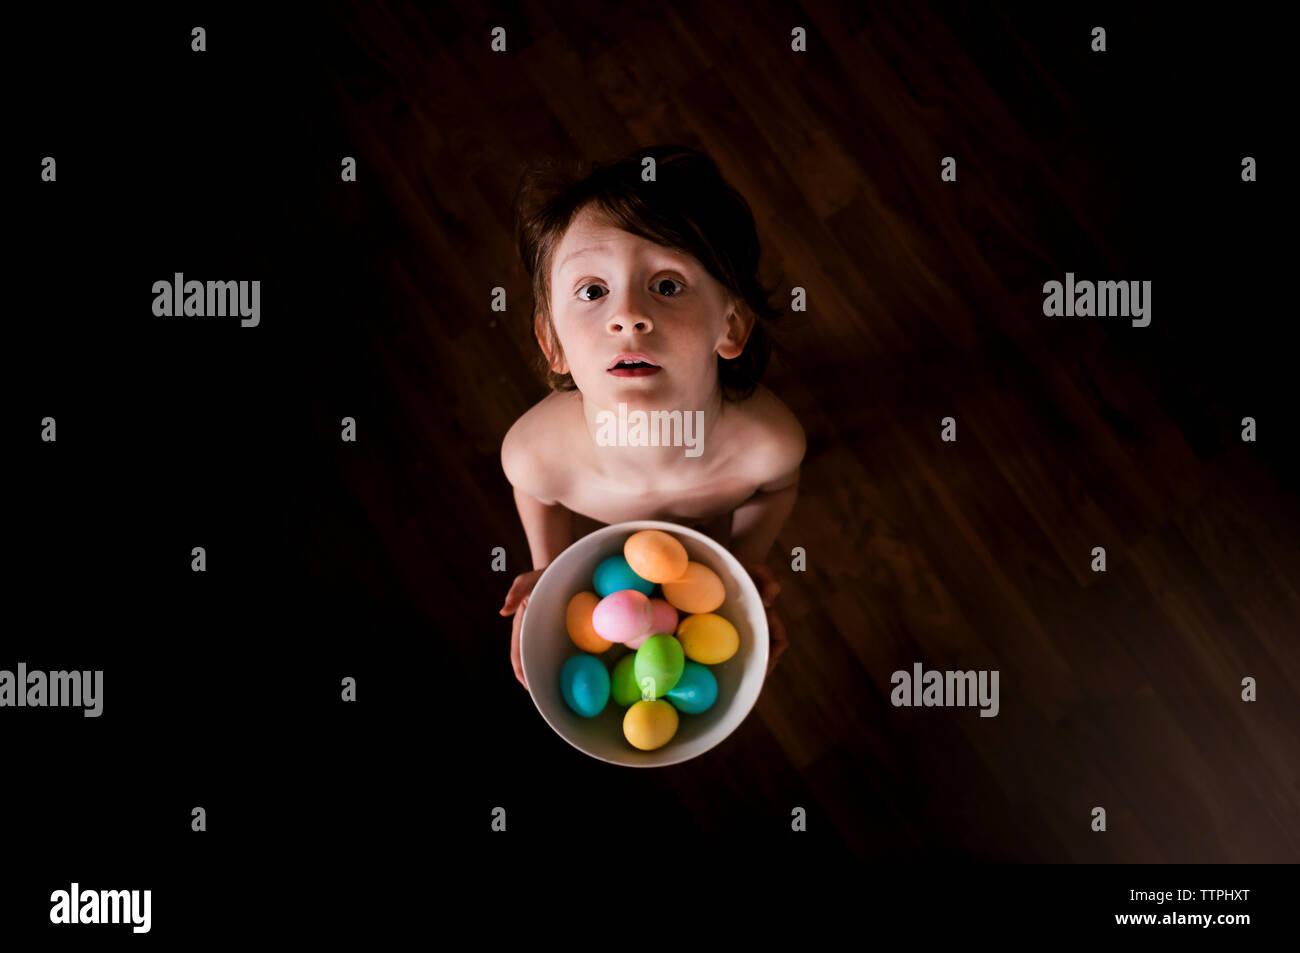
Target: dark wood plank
1118	689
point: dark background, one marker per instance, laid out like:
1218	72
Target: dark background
373	559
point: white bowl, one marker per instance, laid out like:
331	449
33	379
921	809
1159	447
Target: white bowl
544	647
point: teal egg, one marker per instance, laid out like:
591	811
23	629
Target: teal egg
695	691
660	659
615	575
584	683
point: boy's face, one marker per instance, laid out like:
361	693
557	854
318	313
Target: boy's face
613	293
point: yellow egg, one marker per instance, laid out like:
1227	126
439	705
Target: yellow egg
699	589
577	620
650	724
655	556
708	638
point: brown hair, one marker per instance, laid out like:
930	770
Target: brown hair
689	207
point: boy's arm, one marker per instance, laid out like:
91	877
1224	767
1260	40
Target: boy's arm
777	457
548	524
757	521
549	527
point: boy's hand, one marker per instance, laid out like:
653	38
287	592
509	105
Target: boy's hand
768	588
516	602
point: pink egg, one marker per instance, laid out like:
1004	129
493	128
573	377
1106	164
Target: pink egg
663	618
622	615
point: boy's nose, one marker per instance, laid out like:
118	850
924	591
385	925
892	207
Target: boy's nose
635	322
629	314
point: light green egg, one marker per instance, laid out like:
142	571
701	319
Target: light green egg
624	687
658	666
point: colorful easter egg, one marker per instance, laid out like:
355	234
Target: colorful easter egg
663	618
708	638
650	724
695	691
584	683
622	615
699	589
658	665
653	554
577	620
614	574
622	684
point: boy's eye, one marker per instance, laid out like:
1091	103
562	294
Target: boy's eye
668	287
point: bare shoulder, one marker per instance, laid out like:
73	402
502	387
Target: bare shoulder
536	452
774	440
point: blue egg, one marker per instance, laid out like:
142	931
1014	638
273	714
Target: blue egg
695	691
615	575
584	683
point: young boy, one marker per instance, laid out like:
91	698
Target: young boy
646	299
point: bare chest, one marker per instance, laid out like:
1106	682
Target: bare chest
698	492
681	503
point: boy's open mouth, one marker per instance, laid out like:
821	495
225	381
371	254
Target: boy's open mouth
633	365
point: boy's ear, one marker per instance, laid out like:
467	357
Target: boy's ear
550	347
740	322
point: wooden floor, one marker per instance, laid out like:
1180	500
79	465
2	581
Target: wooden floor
1118	689
373	559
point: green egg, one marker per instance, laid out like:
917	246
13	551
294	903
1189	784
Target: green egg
660	660
624	687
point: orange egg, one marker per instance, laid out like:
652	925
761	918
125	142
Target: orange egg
655	556
577	619
697	590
